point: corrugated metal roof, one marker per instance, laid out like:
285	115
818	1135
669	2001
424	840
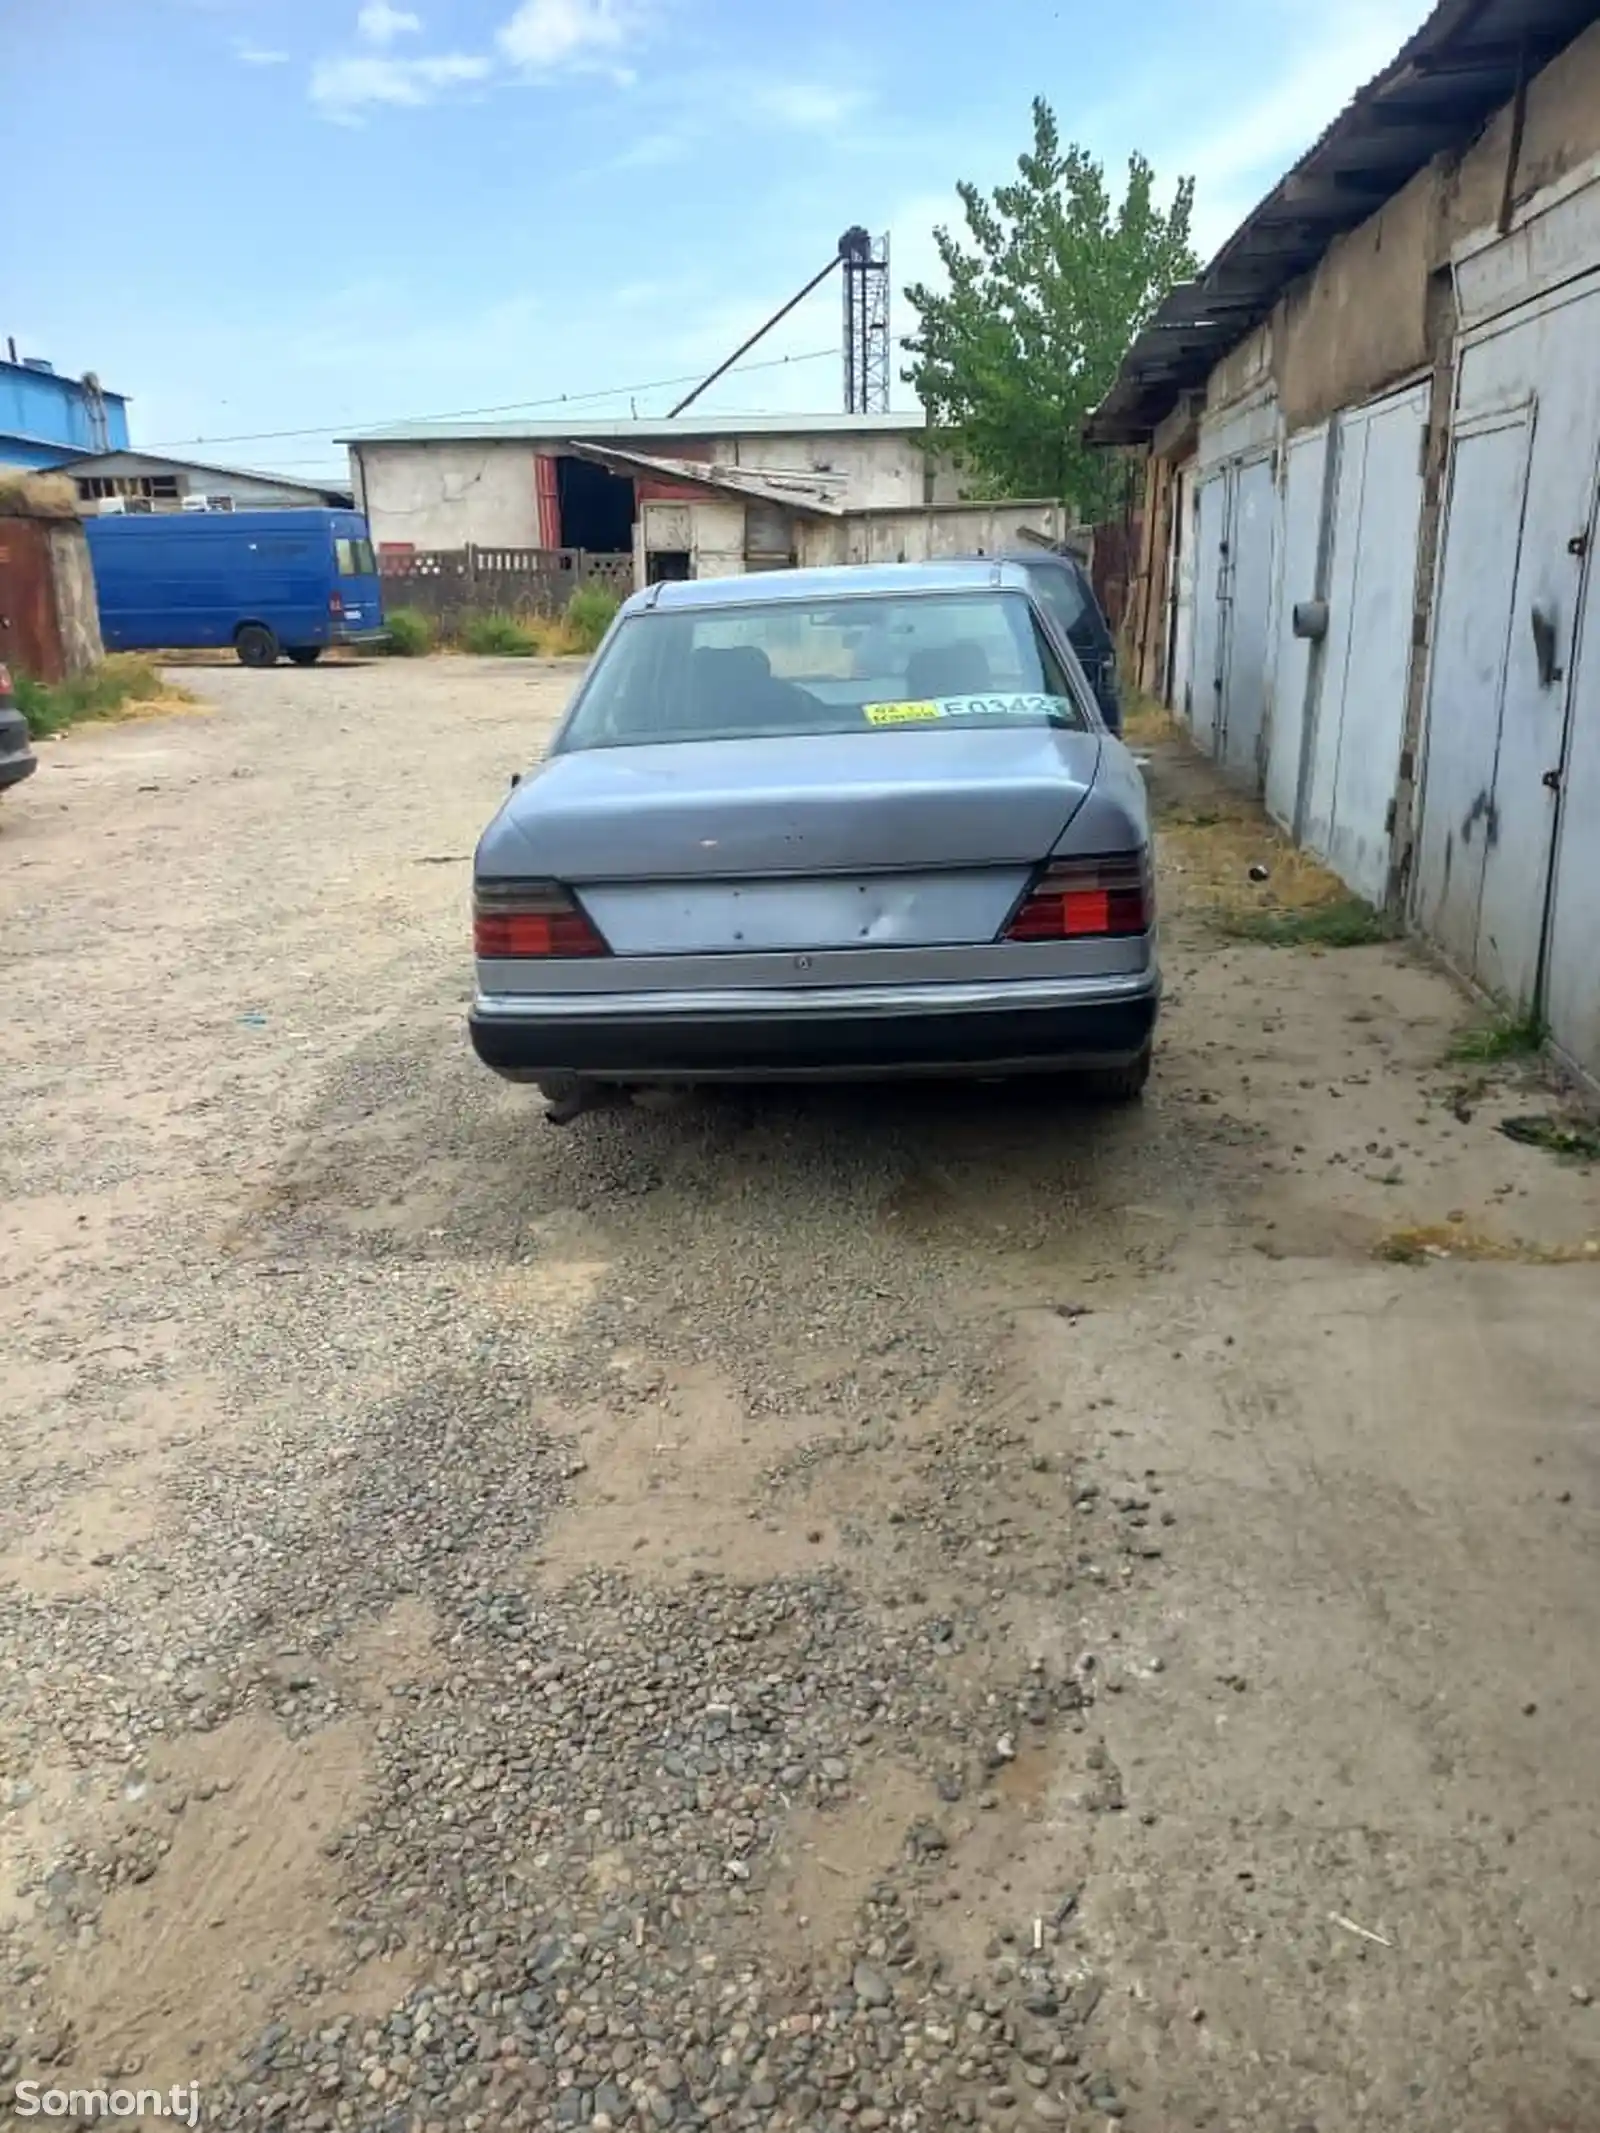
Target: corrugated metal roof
85	462
1435	94
22	369
812	495
557	429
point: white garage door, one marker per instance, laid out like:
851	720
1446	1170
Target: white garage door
1302	541
1509	701
1252	544
1360	712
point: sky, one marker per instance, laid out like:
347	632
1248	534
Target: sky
272	222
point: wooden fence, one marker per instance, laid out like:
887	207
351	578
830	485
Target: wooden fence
450	584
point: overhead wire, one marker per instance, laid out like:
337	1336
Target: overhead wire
466	414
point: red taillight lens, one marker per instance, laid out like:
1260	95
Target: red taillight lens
1079	899
335	604
5	680
516	919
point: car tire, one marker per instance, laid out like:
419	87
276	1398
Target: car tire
1119	1084
256	645
305	655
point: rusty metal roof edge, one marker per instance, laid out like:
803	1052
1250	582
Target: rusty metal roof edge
1115	420
743	482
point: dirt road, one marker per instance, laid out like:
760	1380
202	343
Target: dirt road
812	1610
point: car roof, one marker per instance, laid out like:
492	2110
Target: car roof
1031	558
840	581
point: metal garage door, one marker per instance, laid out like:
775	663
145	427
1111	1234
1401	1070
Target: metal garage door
1506	643
1572	996
1236	519
1252	540
1359	708
1181	575
1210	607
1302	540
1466	689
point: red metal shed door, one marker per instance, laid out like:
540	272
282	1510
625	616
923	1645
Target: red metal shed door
29	638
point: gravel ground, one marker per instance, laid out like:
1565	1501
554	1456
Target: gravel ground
803	1610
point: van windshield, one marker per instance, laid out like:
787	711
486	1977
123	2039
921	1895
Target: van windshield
355	559
865	663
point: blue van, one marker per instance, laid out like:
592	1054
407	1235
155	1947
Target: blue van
263	581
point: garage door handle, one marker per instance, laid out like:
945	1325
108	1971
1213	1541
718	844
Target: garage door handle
1544	647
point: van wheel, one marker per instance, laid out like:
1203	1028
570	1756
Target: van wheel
256	645
305	655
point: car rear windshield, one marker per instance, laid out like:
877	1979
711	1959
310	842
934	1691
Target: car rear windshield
355	559
861	664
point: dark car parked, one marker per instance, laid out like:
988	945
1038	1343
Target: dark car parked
17	759
1061	586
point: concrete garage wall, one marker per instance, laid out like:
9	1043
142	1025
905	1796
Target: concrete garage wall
449	495
876	471
447	492
1359	323
1561	130
920	536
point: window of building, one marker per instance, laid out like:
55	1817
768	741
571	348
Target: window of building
92	488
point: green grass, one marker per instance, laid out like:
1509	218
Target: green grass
1572	1139
590	613
1346	922
1492	1043
410	633
107	689
577	629
501	636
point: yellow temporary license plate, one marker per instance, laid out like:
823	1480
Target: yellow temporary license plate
908	714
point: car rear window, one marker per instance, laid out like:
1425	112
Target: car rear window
864	663
1060	594
355	559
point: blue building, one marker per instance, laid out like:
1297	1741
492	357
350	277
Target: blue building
46	419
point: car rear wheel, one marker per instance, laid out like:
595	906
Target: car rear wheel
1119	1084
305	655
256	645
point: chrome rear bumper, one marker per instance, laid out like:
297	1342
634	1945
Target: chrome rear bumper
825	1032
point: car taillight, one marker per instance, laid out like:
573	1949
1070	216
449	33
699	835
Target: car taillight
1077	899
335	604
516	919
5	681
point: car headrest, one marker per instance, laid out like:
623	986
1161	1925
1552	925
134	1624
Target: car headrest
948	670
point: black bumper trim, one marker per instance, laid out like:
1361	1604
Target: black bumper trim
769	1047
14	768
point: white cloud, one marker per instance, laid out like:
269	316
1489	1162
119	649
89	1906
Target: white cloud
379	23
807	106
341	87
255	55
544	34
651	151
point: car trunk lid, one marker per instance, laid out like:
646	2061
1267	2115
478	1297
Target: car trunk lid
846	803
855	840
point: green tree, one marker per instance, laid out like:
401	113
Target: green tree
1048	285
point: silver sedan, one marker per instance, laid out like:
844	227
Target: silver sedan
822	824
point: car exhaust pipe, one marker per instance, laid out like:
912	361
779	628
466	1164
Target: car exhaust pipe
568	1096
